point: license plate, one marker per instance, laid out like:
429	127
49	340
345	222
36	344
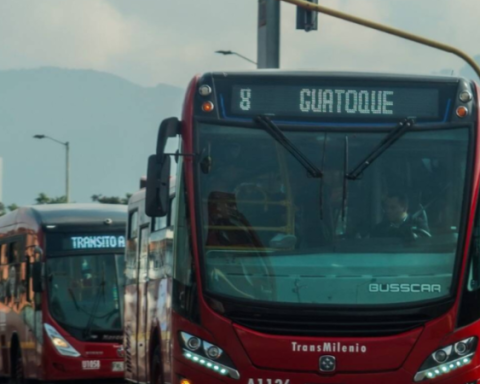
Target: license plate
90	364
118	366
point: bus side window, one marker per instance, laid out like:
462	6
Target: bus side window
12	254
159	223
184	290
15	282
172	214
131	249
3	271
133	225
3	254
474	273
469	310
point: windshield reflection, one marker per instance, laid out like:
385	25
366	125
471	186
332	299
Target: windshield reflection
85	293
270	230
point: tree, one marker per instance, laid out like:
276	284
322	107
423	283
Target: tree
13	207
111	199
44	199
10	208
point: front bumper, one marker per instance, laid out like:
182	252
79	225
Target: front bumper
252	375
71	369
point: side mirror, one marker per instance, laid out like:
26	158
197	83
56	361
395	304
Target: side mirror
158	186
158	174
37	276
168	128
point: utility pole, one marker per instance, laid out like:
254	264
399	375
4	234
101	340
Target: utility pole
268	55
67	162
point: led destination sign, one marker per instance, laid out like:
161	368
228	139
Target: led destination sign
336	102
72	241
94	242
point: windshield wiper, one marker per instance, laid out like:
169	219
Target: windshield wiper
345	182
93	314
277	134
386	143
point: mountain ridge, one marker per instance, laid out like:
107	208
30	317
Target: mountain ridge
111	124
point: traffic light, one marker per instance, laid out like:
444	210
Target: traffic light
307	20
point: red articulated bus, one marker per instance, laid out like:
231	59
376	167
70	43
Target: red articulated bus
61	293
325	230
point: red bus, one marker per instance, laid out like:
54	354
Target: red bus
61	293
325	230
148	256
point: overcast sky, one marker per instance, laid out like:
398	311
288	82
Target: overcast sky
157	41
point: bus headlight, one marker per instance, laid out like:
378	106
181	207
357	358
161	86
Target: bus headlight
448	359
210	356
60	344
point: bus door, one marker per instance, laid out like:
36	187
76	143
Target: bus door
142	311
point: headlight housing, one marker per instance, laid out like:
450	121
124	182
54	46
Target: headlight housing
448	359
61	345
208	355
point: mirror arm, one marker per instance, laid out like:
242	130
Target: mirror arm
178	154
168	128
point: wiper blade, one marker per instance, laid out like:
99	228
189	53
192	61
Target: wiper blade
324	156
279	137
345	182
386	143
93	314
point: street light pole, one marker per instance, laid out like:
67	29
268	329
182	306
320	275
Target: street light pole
236	54
67	162
67	171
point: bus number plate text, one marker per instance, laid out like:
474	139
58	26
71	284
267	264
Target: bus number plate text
91	364
268	381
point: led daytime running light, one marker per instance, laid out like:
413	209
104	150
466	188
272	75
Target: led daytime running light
212	365
444	368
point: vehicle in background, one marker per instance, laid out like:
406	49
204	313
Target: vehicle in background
61	293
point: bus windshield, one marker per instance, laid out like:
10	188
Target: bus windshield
273	233
86	295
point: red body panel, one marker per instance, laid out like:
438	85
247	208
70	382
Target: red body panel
353	354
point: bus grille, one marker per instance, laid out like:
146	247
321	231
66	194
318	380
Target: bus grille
296	324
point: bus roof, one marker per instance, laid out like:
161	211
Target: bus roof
77	214
346	75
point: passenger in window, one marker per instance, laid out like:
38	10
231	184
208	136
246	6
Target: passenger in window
87	276
227	225
228	168
398	222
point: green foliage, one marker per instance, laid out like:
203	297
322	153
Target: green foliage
10	208
13	207
111	199
44	199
